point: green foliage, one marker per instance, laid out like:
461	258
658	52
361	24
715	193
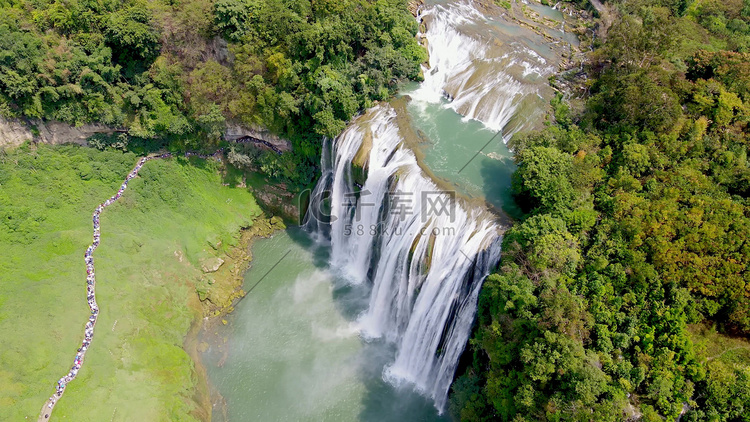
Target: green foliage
637	226
148	267
302	69
232	17
543	179
91	66
547	243
301	75
726	383
132	37
503	3
642	99
730	68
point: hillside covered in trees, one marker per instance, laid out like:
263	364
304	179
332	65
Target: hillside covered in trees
634	250
172	73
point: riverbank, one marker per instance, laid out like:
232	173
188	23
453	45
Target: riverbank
159	245
216	296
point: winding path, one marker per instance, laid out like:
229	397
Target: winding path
88	333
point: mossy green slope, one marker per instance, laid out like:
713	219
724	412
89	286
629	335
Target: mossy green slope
153	239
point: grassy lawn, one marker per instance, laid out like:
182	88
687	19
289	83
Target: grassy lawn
713	346
153	240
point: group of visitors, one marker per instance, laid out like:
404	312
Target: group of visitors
90	285
91	281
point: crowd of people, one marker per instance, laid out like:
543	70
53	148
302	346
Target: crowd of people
91	282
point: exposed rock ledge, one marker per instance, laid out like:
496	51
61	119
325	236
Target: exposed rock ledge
211	265
235	132
14	132
414	6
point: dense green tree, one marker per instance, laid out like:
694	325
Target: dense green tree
232	17
635	233
543	179
132	36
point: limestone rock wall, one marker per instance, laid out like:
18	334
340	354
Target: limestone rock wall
235	131
14	132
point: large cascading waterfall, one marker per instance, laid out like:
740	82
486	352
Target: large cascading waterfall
487	73
415	254
423	250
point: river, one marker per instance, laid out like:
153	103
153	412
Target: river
342	326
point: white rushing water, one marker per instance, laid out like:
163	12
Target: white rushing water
404	278
485	74
424	252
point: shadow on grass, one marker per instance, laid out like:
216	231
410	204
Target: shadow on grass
232	176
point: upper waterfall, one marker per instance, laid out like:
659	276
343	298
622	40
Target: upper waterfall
489	70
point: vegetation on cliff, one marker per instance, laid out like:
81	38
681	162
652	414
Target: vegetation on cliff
178	71
633	252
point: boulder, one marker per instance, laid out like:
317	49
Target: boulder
211	265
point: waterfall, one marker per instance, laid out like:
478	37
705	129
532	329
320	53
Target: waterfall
316	220
424	265
423	251
488	72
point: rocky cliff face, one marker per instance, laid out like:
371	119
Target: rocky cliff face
414	6
234	132
14	132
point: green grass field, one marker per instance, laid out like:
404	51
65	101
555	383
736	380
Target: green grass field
136	369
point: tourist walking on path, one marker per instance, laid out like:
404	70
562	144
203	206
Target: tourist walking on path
88	333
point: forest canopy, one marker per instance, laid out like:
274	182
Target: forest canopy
633	253
179	71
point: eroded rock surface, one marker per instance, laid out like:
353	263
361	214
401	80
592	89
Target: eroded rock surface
211	265
14	132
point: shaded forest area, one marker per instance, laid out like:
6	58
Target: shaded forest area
624	293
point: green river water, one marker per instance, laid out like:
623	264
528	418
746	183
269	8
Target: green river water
465	154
